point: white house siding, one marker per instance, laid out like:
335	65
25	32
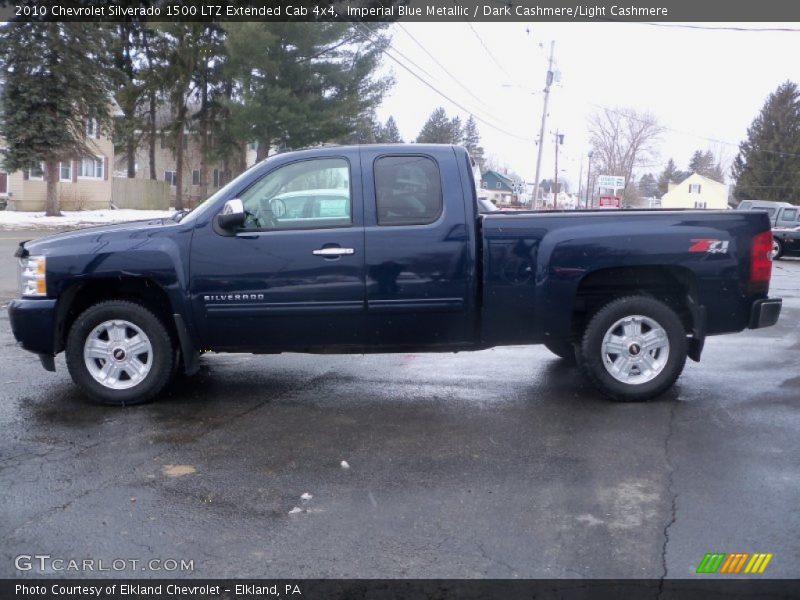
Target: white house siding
712	194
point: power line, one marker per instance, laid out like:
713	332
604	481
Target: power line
707	28
443	95
491	56
441	66
404	57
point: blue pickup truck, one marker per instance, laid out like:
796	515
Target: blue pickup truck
383	249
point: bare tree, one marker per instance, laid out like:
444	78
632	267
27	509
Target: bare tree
623	139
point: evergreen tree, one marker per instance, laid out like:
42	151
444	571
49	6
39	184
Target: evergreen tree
437	129
648	186
129	90
308	83
184	52
367	130
390	134
210	85
701	162
456	130
56	80
472	142
704	163
768	164
670	174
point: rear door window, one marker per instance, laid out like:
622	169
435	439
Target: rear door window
408	190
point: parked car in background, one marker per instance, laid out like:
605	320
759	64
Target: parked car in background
788	217
770	207
785	242
486	206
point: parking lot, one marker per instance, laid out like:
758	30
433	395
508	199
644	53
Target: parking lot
502	463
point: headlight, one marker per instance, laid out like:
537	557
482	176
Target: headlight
32	281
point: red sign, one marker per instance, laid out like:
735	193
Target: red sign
610	202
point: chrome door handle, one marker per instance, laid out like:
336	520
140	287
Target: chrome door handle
333	251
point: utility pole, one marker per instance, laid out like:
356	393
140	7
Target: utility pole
589	181
559	141
555	177
548	83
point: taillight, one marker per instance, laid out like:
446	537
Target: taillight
761	258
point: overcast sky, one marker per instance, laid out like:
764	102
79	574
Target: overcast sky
699	83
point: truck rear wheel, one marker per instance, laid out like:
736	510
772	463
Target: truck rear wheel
119	353
634	349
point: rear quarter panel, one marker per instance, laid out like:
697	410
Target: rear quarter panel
535	262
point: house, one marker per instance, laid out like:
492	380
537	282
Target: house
83	183
499	189
166	162
696	191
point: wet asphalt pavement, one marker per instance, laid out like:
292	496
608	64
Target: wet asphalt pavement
503	463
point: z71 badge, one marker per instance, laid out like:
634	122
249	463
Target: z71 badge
709	246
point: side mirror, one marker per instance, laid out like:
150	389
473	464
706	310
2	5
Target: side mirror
232	215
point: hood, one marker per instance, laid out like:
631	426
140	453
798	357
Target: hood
98	233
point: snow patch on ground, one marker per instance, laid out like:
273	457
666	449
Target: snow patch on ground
11	219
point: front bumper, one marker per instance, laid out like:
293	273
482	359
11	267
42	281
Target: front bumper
765	313
33	324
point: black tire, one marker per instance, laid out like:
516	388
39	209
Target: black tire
562	349
777	249
591	355
163	353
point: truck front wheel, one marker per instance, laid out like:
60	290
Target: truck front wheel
634	348
777	249
562	349
119	353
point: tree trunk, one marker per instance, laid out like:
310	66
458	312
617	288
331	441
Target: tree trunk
241	165
204	149
51	168
179	166
130	149
262	151
152	147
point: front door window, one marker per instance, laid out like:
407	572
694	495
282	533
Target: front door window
310	194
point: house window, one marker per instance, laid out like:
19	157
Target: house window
497	185
92	129
694	188
195	177
91	168
36	173
171	177
65	171
699	204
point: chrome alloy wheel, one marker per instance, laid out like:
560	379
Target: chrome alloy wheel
776	248
118	354
635	349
